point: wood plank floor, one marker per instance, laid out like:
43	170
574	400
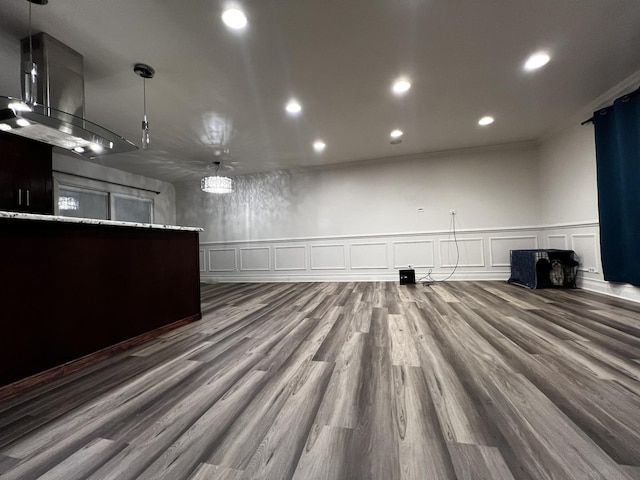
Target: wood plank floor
460	380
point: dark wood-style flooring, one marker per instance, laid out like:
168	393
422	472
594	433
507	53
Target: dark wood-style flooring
466	380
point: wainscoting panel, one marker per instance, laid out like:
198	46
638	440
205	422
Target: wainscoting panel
368	256
557	241
377	257
289	257
417	253
201	261
587	249
222	260
328	257
471	252
255	259
500	248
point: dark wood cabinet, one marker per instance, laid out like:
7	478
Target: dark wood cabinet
26	180
69	289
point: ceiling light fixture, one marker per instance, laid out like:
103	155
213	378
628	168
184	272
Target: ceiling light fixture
216	183
293	107
5	127
234	18
144	71
484	121
319	146
536	61
400	86
21	122
396	133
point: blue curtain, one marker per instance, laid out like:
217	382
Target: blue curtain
618	159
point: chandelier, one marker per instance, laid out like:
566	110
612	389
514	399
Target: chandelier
216	183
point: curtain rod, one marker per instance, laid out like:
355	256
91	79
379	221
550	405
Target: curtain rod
590	120
106	181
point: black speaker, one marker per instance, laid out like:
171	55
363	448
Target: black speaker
407	277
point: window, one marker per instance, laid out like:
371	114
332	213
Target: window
74	202
131	209
88	203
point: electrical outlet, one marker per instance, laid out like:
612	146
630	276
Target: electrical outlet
591	270
452	212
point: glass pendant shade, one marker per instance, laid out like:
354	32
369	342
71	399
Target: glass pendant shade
145	134
216	184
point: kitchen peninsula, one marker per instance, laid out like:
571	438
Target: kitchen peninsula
83	289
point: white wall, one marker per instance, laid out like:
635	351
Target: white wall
164	211
488	188
568	185
362	221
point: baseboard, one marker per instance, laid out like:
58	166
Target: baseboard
618	290
39	379
352	277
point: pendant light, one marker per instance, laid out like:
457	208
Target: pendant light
145	71
216	183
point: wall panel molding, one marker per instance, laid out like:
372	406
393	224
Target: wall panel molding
587	248
371	255
500	256
255	259
471	252
328	257
417	253
557	241
222	260
201	260
289	257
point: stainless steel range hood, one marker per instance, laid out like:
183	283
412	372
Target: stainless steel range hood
57	116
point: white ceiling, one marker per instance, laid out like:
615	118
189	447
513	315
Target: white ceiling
338	58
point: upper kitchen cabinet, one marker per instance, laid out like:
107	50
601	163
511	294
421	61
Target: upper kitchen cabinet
26	180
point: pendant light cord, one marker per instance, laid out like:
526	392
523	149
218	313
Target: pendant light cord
30	39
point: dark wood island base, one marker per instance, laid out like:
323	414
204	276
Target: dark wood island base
73	293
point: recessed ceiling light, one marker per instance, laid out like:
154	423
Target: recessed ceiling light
22	122
78	150
396	133
234	18
293	107
484	121
400	86
536	61
5	127
319	145
95	148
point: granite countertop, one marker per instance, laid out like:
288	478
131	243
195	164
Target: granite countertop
92	221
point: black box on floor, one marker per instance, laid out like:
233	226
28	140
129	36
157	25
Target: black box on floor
407	277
